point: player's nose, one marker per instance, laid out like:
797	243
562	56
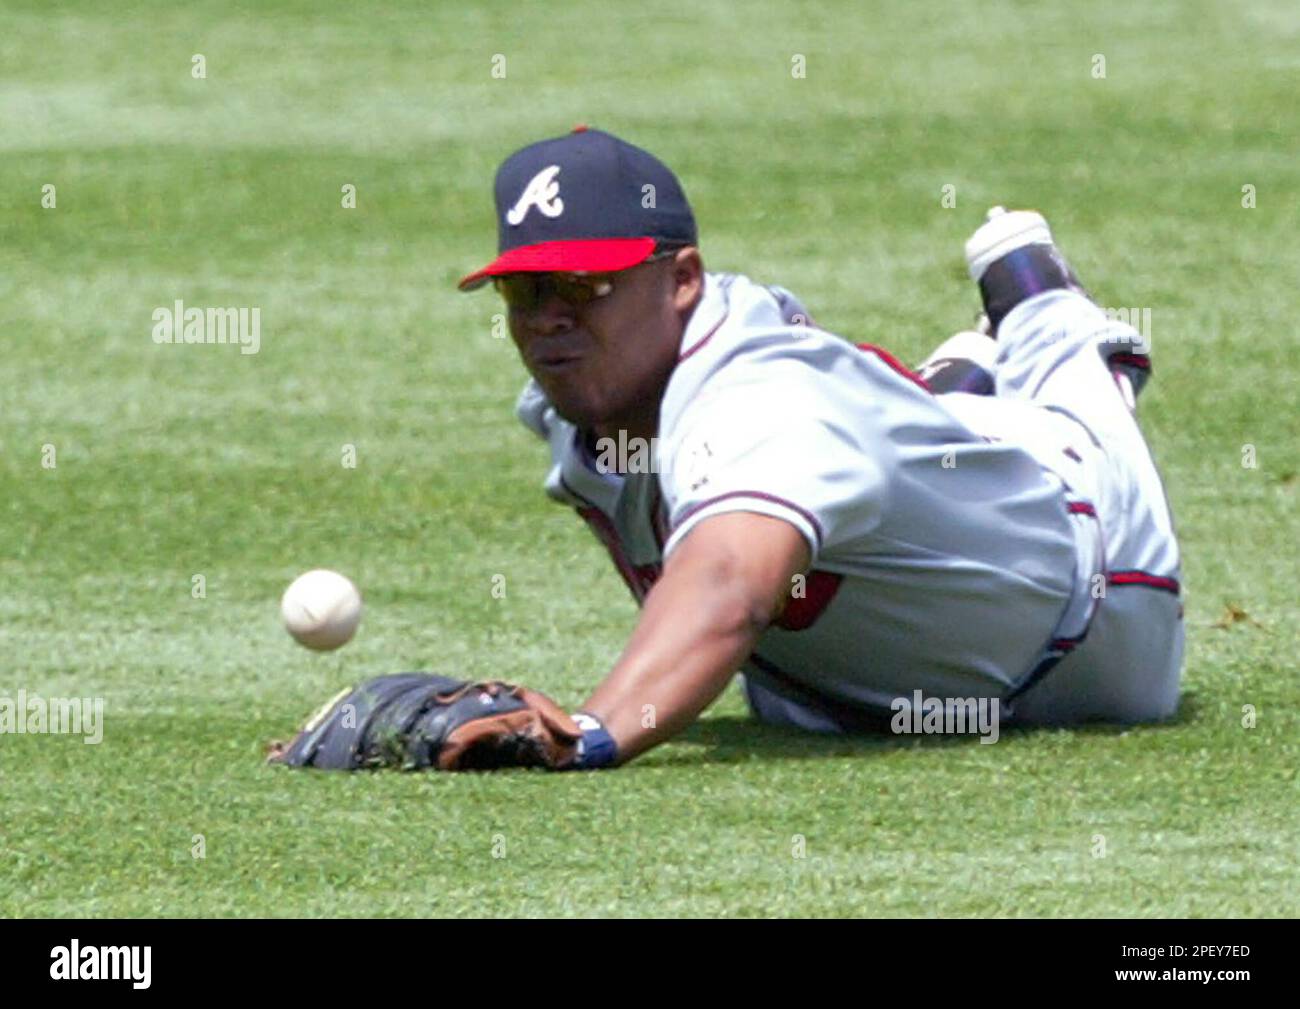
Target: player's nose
552	314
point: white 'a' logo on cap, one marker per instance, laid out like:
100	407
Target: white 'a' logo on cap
542	192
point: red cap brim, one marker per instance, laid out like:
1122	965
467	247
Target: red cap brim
589	255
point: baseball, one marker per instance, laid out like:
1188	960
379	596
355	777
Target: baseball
321	609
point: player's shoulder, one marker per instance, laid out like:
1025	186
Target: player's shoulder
752	334
740	321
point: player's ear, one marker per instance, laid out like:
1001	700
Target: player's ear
688	278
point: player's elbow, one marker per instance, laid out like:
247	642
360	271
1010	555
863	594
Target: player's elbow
738	604
741	567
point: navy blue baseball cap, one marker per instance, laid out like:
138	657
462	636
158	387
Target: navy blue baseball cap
586	202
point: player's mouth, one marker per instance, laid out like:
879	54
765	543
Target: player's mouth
556	360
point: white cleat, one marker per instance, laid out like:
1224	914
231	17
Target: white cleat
1012	257
1003	232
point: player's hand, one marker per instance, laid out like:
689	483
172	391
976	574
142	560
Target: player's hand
537	733
418	720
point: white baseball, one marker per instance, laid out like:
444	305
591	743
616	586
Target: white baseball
321	609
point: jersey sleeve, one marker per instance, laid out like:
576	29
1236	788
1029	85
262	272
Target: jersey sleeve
781	434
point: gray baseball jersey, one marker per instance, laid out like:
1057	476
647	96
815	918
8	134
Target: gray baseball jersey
943	559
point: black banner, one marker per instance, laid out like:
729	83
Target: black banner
356	956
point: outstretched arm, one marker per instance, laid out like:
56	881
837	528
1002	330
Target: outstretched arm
726	581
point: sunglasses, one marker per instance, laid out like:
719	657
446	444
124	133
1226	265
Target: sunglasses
525	291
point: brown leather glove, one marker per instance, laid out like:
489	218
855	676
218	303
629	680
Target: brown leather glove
538	734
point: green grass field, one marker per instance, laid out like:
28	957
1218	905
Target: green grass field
177	461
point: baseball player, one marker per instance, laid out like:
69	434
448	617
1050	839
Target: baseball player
810	513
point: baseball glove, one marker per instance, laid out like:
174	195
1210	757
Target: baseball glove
415	721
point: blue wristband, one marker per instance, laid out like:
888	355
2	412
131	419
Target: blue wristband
596	748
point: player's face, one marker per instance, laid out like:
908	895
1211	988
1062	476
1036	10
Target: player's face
603	361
